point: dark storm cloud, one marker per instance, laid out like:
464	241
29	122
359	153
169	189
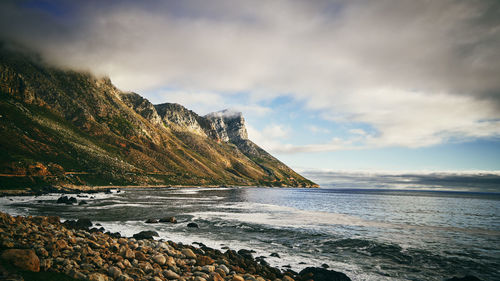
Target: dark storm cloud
429	68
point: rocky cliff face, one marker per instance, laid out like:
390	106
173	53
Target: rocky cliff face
228	125
178	117
97	135
141	106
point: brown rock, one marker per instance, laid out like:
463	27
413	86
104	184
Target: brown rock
146	266
61	244
54	220
204	260
129	254
98	277
24	259
159	259
237	278
188	253
287	278
140	256
170	261
114	271
169	274
214	276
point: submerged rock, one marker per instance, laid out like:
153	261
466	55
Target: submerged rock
193	225
151	221
321	274
169	219
66	200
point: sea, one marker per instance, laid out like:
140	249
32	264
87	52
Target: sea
367	233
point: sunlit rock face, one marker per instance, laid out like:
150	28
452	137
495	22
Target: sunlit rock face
142	106
178	117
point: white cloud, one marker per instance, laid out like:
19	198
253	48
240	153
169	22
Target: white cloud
318	130
418	72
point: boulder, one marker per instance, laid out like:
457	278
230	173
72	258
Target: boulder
66	200
188	253
114	272
159	259
169	219
22	258
169	274
193	225
151	221
321	274
148	234
276	255
79	224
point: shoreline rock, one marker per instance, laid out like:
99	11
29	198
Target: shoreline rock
89	254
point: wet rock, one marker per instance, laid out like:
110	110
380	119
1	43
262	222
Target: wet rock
24	259
321	274
287	278
193	225
66	200
169	219
246	253
465	278
145	235
83	202
151	221
276	255
79	224
325	265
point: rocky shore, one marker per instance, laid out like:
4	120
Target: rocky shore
43	248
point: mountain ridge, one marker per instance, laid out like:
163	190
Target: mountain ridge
70	128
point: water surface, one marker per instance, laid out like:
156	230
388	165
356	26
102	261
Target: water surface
367	234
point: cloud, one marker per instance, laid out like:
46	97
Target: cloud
476	181
419	73
318	130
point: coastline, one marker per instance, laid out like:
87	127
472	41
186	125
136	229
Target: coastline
75	189
45	245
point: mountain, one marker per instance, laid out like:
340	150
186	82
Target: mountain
62	127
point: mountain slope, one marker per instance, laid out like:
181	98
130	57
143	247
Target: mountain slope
66	127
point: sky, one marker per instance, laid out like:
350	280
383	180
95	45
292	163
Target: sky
387	85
